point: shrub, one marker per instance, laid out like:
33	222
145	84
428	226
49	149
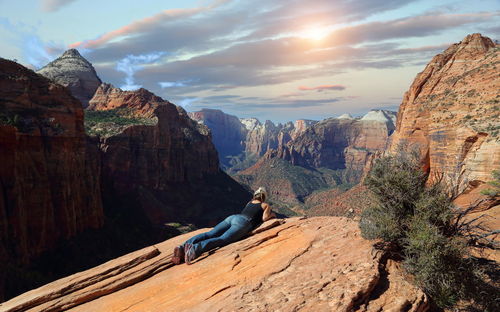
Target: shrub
495	183
424	228
111	122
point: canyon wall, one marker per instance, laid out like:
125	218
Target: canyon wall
170	169
338	143
452	112
243	139
50	181
65	195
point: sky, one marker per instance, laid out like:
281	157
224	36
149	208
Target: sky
280	60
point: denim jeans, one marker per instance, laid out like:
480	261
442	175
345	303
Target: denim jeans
232	229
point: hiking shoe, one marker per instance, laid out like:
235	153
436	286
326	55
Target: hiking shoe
189	254
178	256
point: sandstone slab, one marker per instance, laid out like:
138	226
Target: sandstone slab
316	264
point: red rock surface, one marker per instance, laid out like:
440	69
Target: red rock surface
140	103
452	111
337	144
49	173
170	170
239	140
317	264
56	182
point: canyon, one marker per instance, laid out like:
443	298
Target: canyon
131	164
295	160
61	187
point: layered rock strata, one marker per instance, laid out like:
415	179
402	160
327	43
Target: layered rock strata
170	169
75	72
452	112
240	140
60	187
338	143
50	173
139	103
319	264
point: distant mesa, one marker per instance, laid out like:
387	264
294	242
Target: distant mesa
73	71
345	116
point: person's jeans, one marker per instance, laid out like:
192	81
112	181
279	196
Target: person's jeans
232	229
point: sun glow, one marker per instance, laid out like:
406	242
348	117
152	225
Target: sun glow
315	33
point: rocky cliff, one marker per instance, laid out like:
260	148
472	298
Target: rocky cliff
65	195
452	111
317	264
75	72
339	143
319	162
169	169
228	133
240	142
50	186
139	103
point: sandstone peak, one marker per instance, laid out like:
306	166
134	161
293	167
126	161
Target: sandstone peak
73	71
451	112
477	42
316	264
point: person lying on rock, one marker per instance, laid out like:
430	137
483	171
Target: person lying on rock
232	229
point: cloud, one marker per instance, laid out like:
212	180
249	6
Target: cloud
54	5
286	59
227	46
35	52
186	102
133	63
172	84
238	103
147	24
322	88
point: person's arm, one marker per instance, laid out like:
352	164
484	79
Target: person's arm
268	212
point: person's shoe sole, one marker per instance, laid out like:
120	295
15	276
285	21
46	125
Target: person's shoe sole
189	254
178	256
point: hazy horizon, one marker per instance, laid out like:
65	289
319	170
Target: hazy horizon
278	60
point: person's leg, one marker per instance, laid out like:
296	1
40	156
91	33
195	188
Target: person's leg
218	230
239	226
179	251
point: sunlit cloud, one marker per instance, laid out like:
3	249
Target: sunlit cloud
292	49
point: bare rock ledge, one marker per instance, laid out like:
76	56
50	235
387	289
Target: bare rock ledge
315	264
